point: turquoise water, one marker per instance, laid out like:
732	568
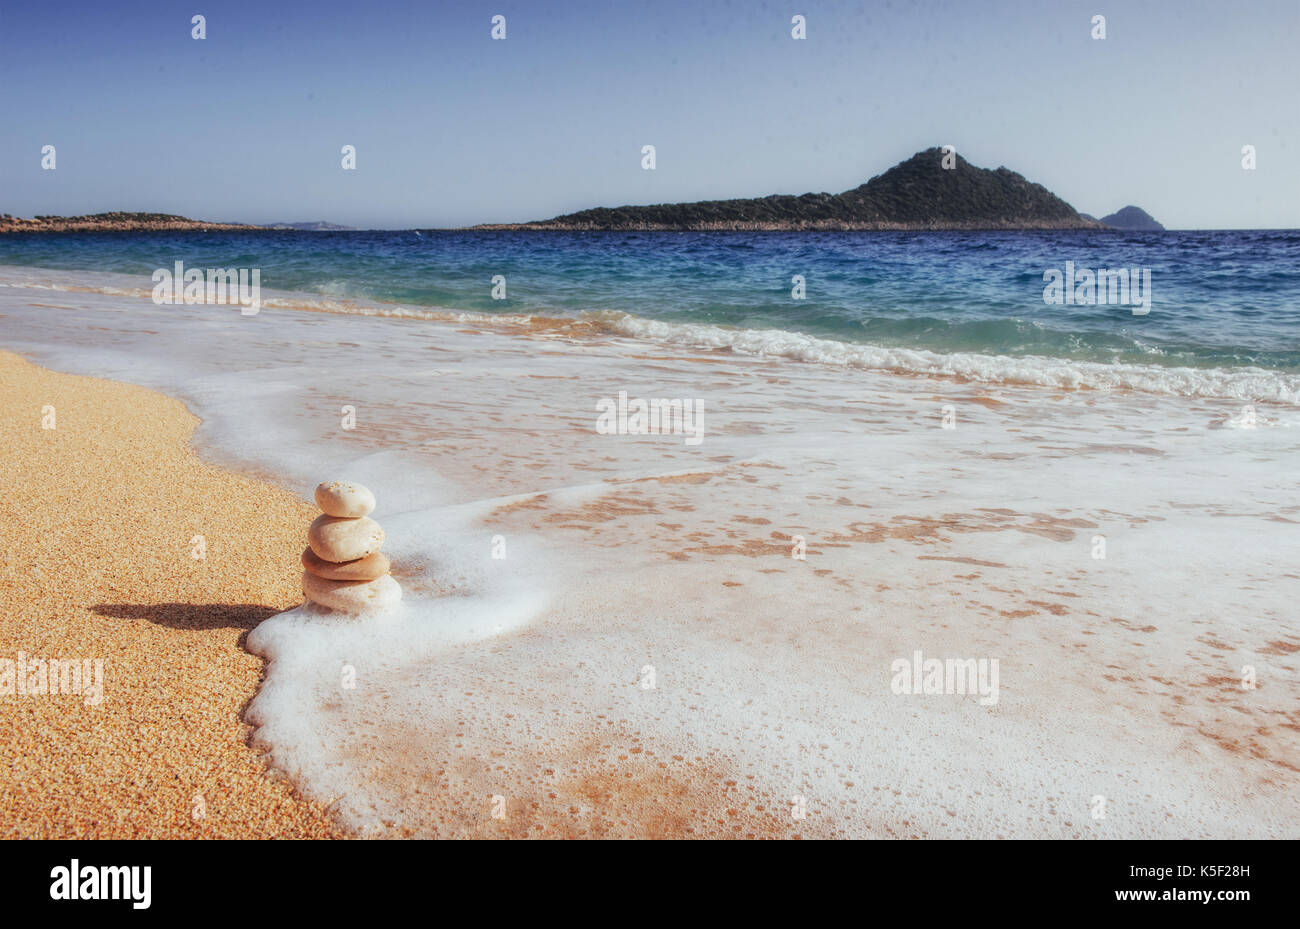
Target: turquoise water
1219	299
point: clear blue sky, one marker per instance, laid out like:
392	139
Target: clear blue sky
453	128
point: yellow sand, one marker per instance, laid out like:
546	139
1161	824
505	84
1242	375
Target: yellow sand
97	523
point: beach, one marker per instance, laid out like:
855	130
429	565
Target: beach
611	634
100	512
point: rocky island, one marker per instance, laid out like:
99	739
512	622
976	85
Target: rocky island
115	222
1132	219
919	193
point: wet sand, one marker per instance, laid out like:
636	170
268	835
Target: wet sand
1121	710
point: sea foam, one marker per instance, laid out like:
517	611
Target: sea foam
649	657
1244	383
1239	384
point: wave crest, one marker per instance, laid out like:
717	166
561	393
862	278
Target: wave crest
1246	384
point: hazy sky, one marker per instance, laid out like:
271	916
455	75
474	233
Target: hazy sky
454	128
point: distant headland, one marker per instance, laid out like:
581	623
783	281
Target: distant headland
934	189
317	226
115	222
150	222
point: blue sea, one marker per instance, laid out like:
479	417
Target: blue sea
951	449
1228	299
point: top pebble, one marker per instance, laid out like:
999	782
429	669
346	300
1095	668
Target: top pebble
345	499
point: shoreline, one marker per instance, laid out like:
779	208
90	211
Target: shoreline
103	513
629	553
987	369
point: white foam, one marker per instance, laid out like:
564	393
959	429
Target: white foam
1238	383
523	677
1247	384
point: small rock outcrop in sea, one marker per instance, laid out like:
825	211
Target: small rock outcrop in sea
1133	219
344	568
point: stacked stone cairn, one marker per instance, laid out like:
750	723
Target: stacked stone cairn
345	569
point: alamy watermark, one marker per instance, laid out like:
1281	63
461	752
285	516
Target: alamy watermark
242	286
1112	286
651	417
39	677
87	882
923	675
